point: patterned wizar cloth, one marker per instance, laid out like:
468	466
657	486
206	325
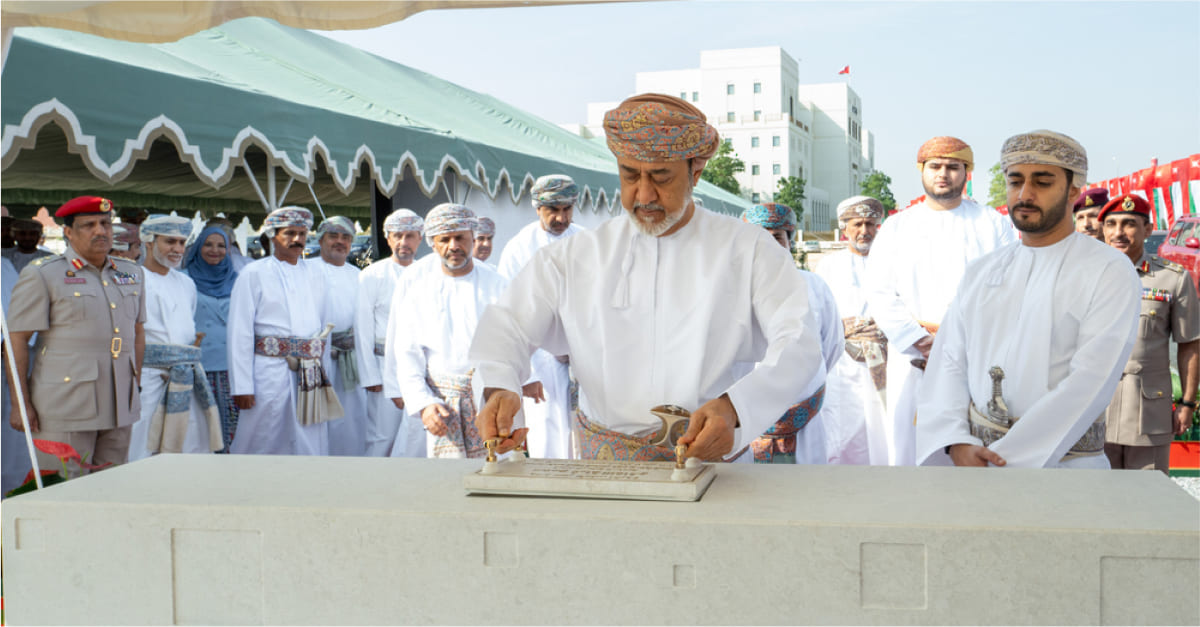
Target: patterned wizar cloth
403	220
656	128
554	190
1046	148
287	216
336	224
778	444
771	216
485	226
448	218
946	148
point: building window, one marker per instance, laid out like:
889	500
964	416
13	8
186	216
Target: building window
775	168
729	89
775	141
758	88
757	115
683	95
754	197
800	171
695	96
754	169
754	141
729	117
729	142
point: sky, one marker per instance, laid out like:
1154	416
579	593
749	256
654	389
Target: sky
1123	78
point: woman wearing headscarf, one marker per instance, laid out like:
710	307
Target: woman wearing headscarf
211	268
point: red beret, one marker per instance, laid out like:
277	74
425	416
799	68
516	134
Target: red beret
1126	204
84	204
1095	197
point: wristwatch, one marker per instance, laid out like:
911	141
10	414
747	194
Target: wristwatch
1191	404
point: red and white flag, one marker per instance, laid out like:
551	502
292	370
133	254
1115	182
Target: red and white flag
845	70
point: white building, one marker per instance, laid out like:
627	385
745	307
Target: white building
777	126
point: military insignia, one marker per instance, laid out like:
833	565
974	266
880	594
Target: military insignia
76	280
1088	202
124	278
38	262
1162	296
70	273
1145	267
78	263
1128	205
105	205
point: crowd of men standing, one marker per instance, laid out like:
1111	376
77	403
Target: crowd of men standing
948	333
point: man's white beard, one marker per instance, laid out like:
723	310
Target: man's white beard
863	248
164	261
658	228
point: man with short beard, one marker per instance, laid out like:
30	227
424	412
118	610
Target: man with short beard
1087	212
435	312
347	435
554	197
388	432
1140	420
179	414
1032	347
485	231
916	262
87	309
656	307
276	343
854	413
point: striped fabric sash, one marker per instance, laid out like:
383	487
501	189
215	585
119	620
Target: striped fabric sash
185	380
461	438
342	352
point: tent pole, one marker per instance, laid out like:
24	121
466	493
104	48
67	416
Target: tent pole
20	396
257	189
271	185
286	189
318	203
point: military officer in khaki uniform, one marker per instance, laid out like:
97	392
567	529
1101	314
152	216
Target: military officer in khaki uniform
1141	423
87	309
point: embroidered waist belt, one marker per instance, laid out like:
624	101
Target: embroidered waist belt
283	346
342	352
342	340
778	444
380	349
599	442
989	430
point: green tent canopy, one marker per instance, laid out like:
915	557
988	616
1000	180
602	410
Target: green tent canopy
207	122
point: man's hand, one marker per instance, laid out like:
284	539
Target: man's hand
374	388
1183	418
924	345
710	430
244	401
434	418
398	402
14	419
973	455
495	420
535	391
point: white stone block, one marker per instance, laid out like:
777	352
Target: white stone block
185	539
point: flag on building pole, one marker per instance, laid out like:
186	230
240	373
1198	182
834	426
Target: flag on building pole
845	70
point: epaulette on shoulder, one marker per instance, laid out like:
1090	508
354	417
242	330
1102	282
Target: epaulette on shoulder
41	261
1170	265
